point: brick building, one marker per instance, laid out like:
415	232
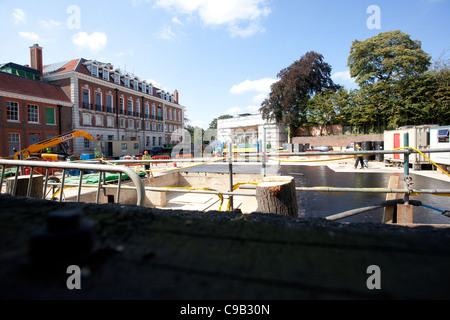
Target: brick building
116	105
32	110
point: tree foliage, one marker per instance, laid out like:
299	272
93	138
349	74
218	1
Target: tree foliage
289	98
387	58
398	85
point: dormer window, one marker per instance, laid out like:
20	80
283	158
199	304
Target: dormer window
127	82
135	85
106	74
94	70
144	88
117	78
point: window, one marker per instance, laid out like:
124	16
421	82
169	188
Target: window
154	141
94	71
170	114
443	135
87	143
138	124
85	99
13	142
110	137
135	85
138	108
122	123
130	124
160	141
50	115
98	101
105	74
109	103
165	113
153	111
124	147
154	126
179	116
33	113
130	107
147	125
122	107
12	111
159	127
147	111
127	82
147	141
150	90
144	88
117	78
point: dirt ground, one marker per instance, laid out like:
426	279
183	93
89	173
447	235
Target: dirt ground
149	254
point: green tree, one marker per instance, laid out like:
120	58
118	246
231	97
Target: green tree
387	57
381	65
213	124
289	98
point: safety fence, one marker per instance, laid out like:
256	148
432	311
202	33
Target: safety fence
122	172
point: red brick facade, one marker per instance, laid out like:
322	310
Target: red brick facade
32	111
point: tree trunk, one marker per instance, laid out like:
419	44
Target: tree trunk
277	195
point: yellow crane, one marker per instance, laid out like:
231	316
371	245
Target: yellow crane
39	149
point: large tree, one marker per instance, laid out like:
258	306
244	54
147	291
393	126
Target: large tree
380	65
289	97
387	57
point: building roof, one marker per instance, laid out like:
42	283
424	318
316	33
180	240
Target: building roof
33	88
19	67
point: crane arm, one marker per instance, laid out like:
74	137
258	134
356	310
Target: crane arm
49	143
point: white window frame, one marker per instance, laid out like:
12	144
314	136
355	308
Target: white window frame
130	124
33	114
94	70
105	74
117	78
10	112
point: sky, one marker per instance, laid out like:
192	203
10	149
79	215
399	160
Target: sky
222	56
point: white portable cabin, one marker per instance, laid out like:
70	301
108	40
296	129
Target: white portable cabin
117	148
419	138
439	139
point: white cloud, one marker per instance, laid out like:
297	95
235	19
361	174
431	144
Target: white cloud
94	42
166	33
261	85
344	78
242	17
234	111
50	23
18	16
29	36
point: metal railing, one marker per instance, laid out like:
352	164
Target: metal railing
239	157
18	164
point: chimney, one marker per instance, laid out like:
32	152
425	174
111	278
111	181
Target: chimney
36	57
175	96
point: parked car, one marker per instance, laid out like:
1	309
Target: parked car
321	149
350	147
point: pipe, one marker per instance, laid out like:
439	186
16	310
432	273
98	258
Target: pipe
350	213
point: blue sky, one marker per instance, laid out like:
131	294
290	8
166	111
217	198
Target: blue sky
221	55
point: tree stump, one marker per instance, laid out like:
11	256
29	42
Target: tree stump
277	195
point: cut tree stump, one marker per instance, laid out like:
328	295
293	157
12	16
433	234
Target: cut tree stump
277	195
